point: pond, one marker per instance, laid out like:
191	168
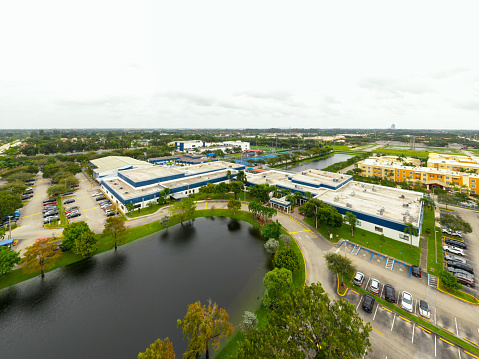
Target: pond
114	305
319	164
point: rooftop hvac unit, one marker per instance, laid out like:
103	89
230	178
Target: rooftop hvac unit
401	196
411	219
404	219
336	199
405	205
353	194
362	185
264	176
365	190
126	192
349	205
381	211
335	180
121	187
407	213
303	173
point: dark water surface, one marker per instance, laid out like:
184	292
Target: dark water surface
114	305
320	164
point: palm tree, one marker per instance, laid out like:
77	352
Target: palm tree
411	230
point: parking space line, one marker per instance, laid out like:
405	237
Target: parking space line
457	330
377	331
444	340
392	326
389	310
91	209
447	330
32	215
307	230
427	331
407	320
412	338
352	290
477	345
465	351
359	302
377	306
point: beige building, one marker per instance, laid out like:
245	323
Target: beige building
429	176
453	162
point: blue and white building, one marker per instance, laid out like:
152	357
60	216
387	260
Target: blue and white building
379	209
143	185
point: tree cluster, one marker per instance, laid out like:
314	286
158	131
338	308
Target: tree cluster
325	214
261	212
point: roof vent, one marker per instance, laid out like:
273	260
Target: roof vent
381	211
349	205
336	199
353	194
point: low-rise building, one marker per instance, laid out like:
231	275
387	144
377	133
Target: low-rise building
110	165
430	177
379	209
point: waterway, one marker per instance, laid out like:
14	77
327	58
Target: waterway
319	164
114	305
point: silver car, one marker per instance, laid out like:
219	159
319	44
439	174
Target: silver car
358	279
406	301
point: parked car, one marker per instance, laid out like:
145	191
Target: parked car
25	198
368	303
446	230
389	293
424	309
73	214
374	285
101	198
416	271
460	265
452	258
51	219
67	194
453	250
50	213
454	270
110	213
96	194
358	279
406	301
69	200
455	243
457	234
466	280
50	200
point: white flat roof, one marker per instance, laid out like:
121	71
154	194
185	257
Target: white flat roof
388	202
114	162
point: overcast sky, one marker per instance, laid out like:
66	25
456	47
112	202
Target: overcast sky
241	64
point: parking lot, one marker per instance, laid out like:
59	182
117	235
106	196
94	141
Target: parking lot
395	336
459	318
89	208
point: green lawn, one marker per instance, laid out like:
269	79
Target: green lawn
434	259
372	241
144	211
340	147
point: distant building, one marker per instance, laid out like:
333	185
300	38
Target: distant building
393	126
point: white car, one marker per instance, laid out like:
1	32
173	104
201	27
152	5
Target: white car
453	250
424	309
406	301
96	194
457	234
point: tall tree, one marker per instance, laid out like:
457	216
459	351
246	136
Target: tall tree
272	230
183	209
8	259
236	187
410	229
286	258
339	264
159	349
115	228
72	232
234	205
352	220
165	221
40	256
307	324
241	176
204	323
277	282
130	207
85	244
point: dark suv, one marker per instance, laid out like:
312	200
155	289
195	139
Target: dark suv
389	293
368	303
416	271
460	265
455	243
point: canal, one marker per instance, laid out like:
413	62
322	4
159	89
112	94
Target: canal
319	164
114	305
